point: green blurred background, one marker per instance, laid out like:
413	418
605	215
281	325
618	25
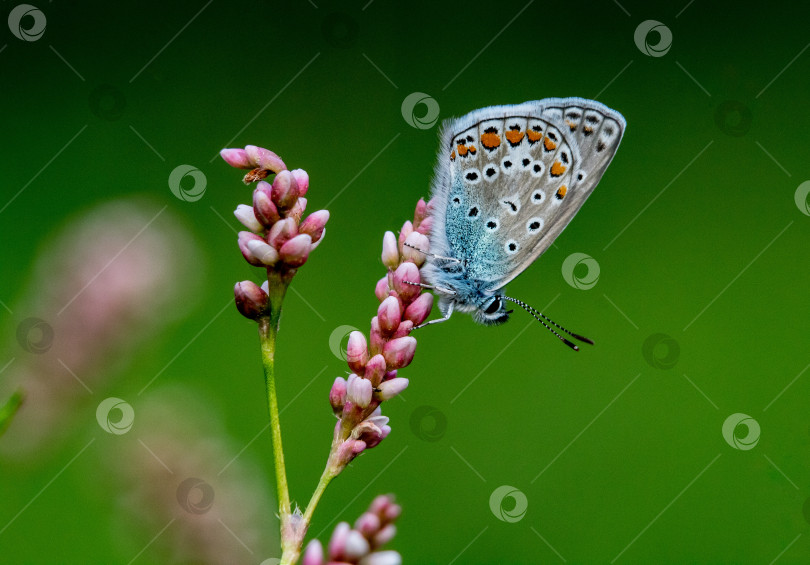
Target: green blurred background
699	313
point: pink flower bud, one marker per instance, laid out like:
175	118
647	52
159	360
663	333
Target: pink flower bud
265	253
265	159
381	290
337	396
421	212
302	178
407	229
313	555
404	329
415	248
284	191
357	352
375	369
389	315
368	432
297	211
263	207
385	535
251	300
377	338
425	226
237	158
389	389
418	310
390	375
281	232
381	503
317	243
407	273
368	524
392	512
399	352
244	214
390	253
314	224
359	391
356	546
387	557
244	238
296	251
337	544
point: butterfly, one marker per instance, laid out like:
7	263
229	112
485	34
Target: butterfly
508	181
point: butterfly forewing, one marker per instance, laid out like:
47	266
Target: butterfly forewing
516	176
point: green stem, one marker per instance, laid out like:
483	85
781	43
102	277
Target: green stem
326	478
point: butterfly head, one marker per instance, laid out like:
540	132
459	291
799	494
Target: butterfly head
492	311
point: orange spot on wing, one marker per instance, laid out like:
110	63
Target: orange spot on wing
549	144
587	130
490	140
571	125
557	169
514	136
472	149
533	136
462	150
453	155
561	192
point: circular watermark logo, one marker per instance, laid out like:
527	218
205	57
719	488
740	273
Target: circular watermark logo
428	423
107	102
508	504
733	118
427	118
115	416
801	199
187	194
338	341
661	351
340	30
27	22
572	269
659	45
35	335
741	431
195	496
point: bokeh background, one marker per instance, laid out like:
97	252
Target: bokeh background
616	454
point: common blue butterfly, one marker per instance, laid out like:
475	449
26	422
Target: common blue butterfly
508	181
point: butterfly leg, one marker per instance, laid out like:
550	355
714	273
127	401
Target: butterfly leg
439	289
439	320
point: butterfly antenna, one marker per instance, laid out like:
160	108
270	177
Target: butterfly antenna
538	315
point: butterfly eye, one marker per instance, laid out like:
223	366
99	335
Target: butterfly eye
494	306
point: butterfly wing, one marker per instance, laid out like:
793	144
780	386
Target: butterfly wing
510	178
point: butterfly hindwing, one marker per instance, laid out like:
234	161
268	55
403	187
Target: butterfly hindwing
512	177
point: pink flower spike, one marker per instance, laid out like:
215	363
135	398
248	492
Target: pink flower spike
285	190
244	238
375	369
407	273
407	229
359	391
263	208
385	535
390	253
356	546
314	224
418	310
421	211
267	254
265	159
389	315
389	389
425	226
251	300
399	352
381	290
281	232
296	251
337	544
404	329
244	214
302	178
368	524
415	248
389	557
313	555
357	352
237	158
337	395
